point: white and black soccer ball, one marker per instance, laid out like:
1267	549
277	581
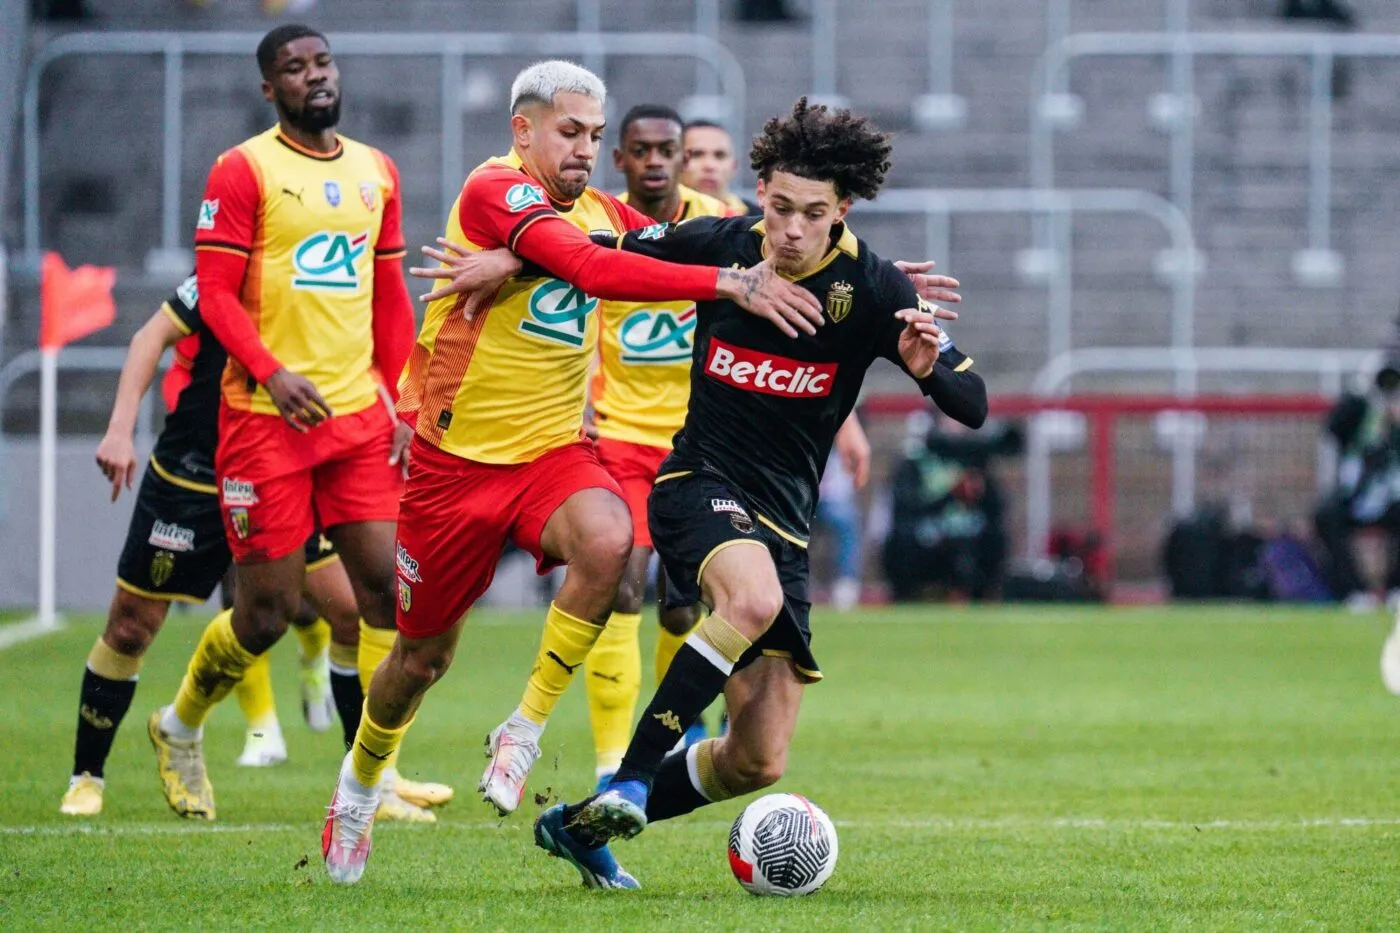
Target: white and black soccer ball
782	844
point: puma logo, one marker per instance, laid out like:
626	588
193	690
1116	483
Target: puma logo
384	757
93	718
610	678
296	194
670	720
560	661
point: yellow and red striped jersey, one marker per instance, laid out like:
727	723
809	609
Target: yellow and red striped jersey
312	225
642	384
509	385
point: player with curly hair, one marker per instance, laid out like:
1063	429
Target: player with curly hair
732	506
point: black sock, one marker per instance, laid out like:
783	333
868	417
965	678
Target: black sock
349	702
692	682
101	706
673	794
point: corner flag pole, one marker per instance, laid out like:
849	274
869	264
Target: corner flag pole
48	469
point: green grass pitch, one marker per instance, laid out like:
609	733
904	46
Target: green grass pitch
998	768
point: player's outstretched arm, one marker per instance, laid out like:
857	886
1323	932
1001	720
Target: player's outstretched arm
478	274
854	449
116	454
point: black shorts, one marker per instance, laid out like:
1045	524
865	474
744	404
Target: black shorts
175	547
693	516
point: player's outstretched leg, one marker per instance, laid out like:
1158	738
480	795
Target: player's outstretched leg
595	863
345	841
591	531
109	684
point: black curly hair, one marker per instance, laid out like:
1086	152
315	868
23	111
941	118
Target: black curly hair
815	143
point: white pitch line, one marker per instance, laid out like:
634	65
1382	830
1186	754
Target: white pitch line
950	824
14	633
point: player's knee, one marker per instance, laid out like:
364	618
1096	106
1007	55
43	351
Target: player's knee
679	621
423	666
132	625
752	611
604	550
754	772
265	619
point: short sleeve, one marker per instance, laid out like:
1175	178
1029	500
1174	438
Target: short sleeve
183	306
497	204
390	244
228	215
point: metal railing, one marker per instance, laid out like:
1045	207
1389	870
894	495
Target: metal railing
451	48
1331	367
937	205
1315	264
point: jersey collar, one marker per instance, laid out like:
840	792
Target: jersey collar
846	243
299	149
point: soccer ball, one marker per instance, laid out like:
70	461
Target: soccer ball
782	844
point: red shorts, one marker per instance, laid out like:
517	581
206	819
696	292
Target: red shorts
277	485
634	466
457	515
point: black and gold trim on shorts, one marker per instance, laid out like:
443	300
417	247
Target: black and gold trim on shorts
165	597
319	552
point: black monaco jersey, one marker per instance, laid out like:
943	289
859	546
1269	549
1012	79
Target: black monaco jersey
191	392
764	407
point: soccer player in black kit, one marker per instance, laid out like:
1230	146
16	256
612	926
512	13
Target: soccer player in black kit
733	504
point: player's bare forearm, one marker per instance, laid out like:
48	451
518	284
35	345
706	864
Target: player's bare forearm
139	370
763	293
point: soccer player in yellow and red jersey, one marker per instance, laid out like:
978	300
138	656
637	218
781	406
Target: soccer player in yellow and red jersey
497	397
297	245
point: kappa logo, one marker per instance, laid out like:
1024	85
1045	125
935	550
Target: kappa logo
188	292
522	196
239	492
768	373
654	232
93	718
559	312
670	720
406	565
171	537
650	336
327	261
208	210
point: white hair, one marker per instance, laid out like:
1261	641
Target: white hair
542	80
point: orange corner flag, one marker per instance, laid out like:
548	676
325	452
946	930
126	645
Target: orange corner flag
75	302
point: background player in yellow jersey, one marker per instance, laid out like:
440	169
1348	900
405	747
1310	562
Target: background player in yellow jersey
498	454
710	164
297	255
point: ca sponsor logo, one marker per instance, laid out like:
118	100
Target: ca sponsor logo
406	565
559	312
768	373
654	232
188	292
326	261
521	196
208	210
171	537
239	492
657	335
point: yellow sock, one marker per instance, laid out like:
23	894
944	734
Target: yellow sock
313	639
375	645
667	645
254	694
218	663
613	675
563	648
375	749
